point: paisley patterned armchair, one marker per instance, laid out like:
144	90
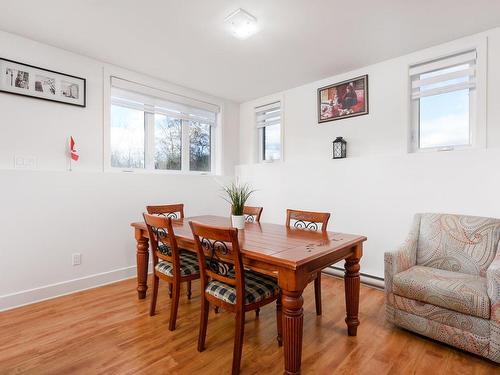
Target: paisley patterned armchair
444	282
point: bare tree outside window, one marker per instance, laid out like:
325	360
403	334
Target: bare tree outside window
199	146
127	137
168	142
152	134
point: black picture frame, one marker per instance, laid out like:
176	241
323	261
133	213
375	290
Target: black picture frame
51	85
334	109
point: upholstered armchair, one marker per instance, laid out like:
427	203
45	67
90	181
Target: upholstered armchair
444	282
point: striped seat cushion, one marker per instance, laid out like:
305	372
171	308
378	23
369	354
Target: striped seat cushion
189	265
257	288
164	249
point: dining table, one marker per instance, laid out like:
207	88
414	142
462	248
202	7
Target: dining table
293	255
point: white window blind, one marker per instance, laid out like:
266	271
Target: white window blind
153	129
268	121
136	96
457	72
269	114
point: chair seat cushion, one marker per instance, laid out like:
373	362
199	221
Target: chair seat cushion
257	288
189	265
455	291
164	249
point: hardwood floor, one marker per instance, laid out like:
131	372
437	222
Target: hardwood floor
107	330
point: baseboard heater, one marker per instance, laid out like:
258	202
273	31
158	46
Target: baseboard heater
374	281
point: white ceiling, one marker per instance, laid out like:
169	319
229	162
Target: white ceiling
185	41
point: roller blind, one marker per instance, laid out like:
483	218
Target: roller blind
436	77
269	114
134	95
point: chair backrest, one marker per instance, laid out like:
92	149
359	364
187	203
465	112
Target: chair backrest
307	220
174	211
252	214
466	244
218	248
163	241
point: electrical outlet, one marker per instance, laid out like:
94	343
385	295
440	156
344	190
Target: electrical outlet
77	259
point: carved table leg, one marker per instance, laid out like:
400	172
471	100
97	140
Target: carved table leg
293	320
279	320
351	284
142	264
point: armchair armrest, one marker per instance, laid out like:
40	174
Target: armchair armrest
493	280
403	258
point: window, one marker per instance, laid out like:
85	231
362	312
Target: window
152	133
168	142
127	137
200	144
443	97
268	120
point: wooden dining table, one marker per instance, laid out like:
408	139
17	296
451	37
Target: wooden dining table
293	255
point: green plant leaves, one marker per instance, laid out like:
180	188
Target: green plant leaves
236	195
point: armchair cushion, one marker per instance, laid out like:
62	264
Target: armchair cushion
455	291
458	243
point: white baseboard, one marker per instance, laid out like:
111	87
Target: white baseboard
26	297
29	296
365	279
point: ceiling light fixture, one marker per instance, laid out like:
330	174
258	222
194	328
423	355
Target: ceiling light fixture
241	23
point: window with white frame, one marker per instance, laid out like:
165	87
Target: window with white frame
149	131
268	121
443	102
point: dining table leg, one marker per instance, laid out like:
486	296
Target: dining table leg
351	285
293	321
142	263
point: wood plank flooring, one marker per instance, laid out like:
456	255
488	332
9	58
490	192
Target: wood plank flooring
107	330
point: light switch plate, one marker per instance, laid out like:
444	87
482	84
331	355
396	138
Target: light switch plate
25	162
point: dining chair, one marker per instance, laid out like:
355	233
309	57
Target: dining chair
170	263
227	284
174	211
314	221
252	214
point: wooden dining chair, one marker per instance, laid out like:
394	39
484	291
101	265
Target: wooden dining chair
252	214
225	283
170	263
174	211
314	221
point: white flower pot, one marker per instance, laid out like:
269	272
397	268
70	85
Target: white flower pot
238	221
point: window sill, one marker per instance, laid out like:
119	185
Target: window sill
275	161
158	172
446	149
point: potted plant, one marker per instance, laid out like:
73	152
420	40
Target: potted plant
237	195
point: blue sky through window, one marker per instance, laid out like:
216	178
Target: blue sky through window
444	119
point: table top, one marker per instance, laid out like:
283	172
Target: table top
273	243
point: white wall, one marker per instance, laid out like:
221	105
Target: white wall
49	213
377	189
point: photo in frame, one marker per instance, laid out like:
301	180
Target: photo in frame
343	100
28	80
